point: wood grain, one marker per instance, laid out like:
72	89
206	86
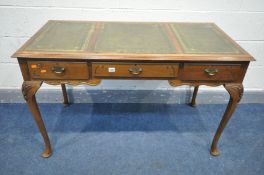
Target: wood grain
79	68
229	72
121	70
29	89
44	70
236	92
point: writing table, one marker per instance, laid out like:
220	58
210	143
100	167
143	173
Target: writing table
82	52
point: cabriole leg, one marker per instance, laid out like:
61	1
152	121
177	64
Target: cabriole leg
236	92
29	89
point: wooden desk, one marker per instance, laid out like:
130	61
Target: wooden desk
79	52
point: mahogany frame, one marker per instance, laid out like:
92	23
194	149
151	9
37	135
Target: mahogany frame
234	87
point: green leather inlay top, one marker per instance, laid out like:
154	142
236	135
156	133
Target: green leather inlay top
63	37
201	38
133	38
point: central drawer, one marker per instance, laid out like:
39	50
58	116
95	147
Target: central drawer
134	70
58	70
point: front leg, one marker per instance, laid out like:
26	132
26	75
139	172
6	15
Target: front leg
236	92
29	89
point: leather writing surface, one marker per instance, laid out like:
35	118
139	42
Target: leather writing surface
130	38
201	38
133	38
64	37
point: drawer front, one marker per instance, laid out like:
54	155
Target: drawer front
58	70
134	70
211	72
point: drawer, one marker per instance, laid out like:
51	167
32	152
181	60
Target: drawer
58	70
134	70
208	72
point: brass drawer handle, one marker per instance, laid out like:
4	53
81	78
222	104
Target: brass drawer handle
58	70
135	70
211	72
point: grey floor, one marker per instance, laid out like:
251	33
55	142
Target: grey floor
126	139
